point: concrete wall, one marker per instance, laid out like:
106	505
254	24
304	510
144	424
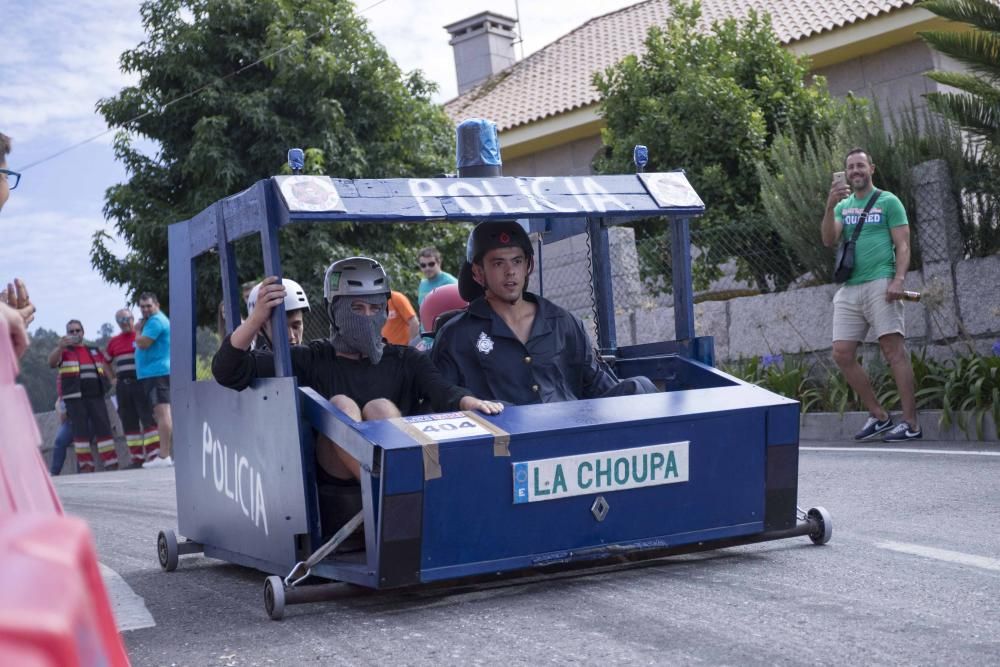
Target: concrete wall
570	159
894	76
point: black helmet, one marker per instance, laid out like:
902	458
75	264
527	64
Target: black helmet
487	236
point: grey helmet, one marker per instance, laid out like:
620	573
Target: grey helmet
354	276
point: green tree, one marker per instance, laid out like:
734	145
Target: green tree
37	378
976	107
710	101
325	84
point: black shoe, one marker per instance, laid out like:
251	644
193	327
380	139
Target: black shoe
902	432
873	427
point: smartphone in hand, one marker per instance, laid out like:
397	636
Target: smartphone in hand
840	178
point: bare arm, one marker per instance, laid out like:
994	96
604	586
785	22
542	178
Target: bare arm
901	241
143	342
414	326
831	228
16	330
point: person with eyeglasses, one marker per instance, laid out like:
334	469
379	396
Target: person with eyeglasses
84	373
8	179
16	309
429	261
134	408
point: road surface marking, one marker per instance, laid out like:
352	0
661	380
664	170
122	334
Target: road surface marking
884	450
130	609
942	554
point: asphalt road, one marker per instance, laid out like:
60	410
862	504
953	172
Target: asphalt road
911	576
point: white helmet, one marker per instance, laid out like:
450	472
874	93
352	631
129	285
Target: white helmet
295	297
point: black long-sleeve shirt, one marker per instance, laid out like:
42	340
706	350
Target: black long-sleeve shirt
403	375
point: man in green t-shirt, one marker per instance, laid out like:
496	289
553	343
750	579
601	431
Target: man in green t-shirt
870	299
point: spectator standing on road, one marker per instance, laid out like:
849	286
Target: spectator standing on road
152	365
429	261
83	374
134	409
402	327
870	299
64	436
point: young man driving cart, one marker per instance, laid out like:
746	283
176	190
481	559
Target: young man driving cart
512	345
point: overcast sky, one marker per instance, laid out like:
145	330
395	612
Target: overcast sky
61	56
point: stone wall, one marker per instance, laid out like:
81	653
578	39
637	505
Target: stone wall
957	302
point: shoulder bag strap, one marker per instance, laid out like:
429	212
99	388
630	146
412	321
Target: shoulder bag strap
864	215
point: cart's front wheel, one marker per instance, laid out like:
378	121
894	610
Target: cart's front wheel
166	550
823	531
274	598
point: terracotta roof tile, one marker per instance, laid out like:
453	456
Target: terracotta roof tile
557	78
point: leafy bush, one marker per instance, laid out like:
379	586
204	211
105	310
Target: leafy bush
966	389
792	378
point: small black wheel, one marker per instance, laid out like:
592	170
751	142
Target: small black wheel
274	598
823	531
166	550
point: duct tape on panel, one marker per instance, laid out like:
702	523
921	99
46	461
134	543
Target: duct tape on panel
429	447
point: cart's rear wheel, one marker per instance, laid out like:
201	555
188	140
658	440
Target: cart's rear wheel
824	525
274	598
166	550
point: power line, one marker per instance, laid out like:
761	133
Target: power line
185	96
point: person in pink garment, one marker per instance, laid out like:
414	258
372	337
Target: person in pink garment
16	308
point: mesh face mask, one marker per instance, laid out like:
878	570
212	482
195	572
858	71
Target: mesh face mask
358	334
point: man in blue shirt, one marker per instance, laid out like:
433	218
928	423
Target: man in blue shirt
152	361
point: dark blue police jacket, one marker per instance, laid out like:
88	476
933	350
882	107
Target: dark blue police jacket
478	351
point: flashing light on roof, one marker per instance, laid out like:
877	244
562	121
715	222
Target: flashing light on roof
296	160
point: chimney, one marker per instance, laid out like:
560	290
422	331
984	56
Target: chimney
483	45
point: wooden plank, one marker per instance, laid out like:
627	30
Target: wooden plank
244	214
201	231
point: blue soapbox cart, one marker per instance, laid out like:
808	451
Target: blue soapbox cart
709	462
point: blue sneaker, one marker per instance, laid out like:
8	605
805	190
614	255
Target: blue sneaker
873	427
902	431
